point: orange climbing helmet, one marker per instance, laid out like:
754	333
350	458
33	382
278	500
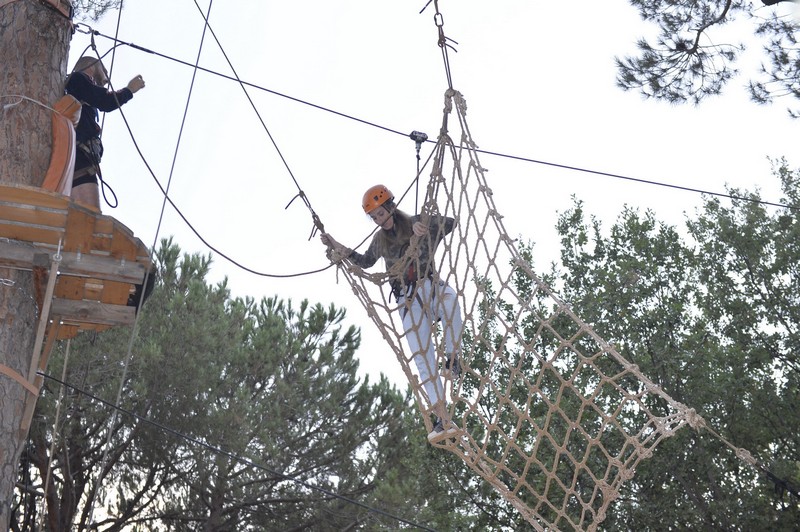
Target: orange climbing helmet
376	196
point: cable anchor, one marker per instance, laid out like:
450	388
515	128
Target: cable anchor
418	137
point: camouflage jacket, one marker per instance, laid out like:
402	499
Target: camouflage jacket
438	227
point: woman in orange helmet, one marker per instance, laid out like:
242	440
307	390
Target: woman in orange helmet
425	298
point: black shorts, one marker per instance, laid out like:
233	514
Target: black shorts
84	169
84	180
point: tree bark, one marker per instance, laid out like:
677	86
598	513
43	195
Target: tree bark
34	41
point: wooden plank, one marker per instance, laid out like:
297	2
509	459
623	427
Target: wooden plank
32	196
102	267
123	247
104	225
31	234
79	229
142	253
15	256
62	155
144	260
115	293
38	216
22	258
101	262
66	332
93	290
51	337
93	327
70	287
124	230
79	312
101	244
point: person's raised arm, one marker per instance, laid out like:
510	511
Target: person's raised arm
80	86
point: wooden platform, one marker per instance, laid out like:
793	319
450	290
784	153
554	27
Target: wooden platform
101	260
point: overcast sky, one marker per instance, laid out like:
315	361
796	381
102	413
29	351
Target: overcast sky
538	78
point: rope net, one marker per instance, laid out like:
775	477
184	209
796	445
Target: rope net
546	411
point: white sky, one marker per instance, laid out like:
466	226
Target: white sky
538	78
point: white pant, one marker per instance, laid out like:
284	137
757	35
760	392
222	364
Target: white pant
429	302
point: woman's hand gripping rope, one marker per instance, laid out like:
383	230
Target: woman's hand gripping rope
336	251
419	229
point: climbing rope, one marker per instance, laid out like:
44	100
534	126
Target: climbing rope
318	226
134	329
317	223
54	437
444	41
547	412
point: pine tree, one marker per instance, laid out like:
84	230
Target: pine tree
34	40
694	57
713	319
255	417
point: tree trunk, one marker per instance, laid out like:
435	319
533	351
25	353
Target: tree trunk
34	40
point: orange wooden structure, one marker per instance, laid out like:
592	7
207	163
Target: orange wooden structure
86	266
62	158
100	259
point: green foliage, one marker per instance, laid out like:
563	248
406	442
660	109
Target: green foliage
713	320
256	419
261	418
554	414
710	314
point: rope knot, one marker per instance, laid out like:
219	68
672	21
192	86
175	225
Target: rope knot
626	474
448	100
694	419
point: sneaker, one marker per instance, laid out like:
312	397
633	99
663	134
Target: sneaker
453	365
440	433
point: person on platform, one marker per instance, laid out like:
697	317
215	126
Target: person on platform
87	84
